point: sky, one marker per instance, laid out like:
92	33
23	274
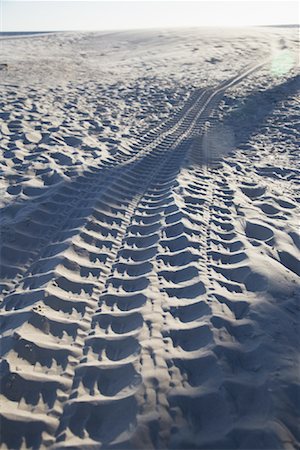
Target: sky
55	15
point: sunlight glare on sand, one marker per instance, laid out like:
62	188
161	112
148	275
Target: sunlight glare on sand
282	62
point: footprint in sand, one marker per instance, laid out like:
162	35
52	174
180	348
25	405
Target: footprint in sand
258	232
253	191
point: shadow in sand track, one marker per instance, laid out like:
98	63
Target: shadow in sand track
47	228
39	229
87	254
217	139
257	107
30	226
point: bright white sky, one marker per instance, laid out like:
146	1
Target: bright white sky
45	15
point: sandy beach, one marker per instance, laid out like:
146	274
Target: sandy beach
150	239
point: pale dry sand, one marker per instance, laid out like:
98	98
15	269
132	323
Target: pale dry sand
149	240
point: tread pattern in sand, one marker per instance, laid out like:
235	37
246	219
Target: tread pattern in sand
127	314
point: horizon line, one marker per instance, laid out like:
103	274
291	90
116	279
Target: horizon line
153	28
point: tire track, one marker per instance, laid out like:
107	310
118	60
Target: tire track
75	290
131	285
58	207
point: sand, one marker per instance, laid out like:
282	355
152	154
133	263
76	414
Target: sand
149	240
